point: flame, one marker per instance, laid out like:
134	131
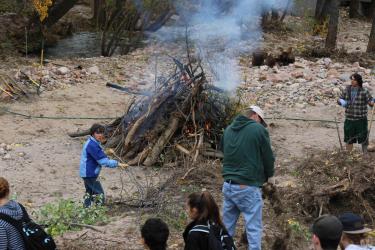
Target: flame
207	126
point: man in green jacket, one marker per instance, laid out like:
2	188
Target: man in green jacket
248	163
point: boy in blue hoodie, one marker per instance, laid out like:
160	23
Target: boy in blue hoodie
92	160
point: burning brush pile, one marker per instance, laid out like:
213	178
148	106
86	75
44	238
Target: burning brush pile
184	113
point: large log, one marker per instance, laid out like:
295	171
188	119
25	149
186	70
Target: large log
163	139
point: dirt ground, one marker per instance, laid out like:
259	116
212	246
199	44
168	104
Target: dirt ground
44	161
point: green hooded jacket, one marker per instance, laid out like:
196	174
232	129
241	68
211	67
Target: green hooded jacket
248	157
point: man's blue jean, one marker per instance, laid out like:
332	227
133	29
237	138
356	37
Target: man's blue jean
94	191
248	200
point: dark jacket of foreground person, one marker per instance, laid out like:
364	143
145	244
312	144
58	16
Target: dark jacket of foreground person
248	157
10	238
195	240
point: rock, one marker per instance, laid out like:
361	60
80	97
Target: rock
7	157
366	85
308	76
8	148
299	65
356	65
93	70
263	77
336	91
2	145
279	86
336	66
294	86
297	73
300	105
45	72
327	61
332	73
264	67
63	71
345	77
2	151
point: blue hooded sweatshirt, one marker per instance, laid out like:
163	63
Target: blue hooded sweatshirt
93	158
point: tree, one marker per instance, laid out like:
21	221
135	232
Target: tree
58	10
41	7
354	9
125	21
372	9
333	25
321	9
98	11
371	43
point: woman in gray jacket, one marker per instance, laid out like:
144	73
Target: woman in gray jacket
10	238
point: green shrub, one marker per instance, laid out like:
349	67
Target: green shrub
60	217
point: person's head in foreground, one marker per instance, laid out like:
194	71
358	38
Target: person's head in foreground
201	207
155	234
4	191
354	230
327	231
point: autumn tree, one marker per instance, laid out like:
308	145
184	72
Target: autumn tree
41	7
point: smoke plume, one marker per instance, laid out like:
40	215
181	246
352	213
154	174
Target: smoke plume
222	30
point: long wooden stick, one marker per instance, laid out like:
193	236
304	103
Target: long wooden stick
338	134
6	92
369	127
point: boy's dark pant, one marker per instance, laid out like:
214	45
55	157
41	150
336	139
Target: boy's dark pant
94	192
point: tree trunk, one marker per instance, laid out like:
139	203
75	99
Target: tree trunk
354	9
98	13
321	9
274	15
371	43
372	9
333	25
58	10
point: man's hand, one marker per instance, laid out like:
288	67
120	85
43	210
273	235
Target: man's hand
123	165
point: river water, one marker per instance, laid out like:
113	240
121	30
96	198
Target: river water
80	44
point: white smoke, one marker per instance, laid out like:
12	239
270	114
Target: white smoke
222	30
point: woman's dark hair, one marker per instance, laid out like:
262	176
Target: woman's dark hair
155	233
206	207
97	128
355	238
358	78
329	244
4	187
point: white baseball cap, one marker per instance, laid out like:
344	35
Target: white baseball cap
260	113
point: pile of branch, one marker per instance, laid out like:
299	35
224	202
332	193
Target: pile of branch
335	182
184	113
11	88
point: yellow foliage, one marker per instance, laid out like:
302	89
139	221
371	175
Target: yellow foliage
41	7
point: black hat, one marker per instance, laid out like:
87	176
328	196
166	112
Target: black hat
327	227
353	224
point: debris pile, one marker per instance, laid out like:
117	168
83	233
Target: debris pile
34	80
183	112
334	182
